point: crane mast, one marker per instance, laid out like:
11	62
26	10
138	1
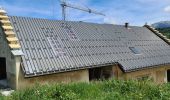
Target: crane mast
64	5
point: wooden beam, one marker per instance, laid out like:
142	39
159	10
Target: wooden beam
12	39
9	33
4	17
7	27
2	11
5	22
14	46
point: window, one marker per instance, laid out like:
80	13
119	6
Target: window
135	50
143	78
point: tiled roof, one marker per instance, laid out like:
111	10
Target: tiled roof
51	46
158	34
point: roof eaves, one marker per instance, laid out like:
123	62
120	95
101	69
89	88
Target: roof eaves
27	75
147	67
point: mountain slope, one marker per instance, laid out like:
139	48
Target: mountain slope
162	24
165	31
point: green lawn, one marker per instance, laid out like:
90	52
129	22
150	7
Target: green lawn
102	90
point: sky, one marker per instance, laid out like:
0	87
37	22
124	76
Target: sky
135	12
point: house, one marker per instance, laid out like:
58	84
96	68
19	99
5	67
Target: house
45	51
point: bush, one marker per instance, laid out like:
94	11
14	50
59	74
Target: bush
101	90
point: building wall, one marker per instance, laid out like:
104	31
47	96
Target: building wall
157	74
74	76
118	74
10	59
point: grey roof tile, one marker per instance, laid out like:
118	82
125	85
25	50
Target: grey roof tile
51	46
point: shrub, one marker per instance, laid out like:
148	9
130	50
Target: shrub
100	90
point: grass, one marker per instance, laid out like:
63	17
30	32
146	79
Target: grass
101	90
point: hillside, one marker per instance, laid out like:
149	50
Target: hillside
103	90
165	31
162	24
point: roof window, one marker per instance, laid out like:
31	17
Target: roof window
135	50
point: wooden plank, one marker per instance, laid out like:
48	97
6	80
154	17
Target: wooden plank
7	27
2	11
9	33
164	36
4	17
14	46
12	39
5	22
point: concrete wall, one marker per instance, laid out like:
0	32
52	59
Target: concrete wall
10	59
74	76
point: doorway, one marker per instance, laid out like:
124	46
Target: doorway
3	68
168	75
101	73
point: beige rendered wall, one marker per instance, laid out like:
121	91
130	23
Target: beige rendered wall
118	74
158	74
74	76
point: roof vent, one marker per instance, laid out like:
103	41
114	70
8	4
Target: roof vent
126	25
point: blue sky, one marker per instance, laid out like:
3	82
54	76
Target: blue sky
136	12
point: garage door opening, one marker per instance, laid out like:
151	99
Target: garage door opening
3	69
102	73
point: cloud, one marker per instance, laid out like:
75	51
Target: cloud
18	10
109	20
136	12
29	9
167	9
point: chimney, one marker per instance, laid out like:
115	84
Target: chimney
126	25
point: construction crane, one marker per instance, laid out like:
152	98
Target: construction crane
64	5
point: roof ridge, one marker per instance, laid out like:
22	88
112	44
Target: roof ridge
13	41
163	37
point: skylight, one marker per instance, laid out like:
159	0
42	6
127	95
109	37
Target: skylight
135	50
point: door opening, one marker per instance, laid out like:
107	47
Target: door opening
168	75
100	73
3	68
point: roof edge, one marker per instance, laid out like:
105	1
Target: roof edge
147	67
8	30
156	32
64	70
